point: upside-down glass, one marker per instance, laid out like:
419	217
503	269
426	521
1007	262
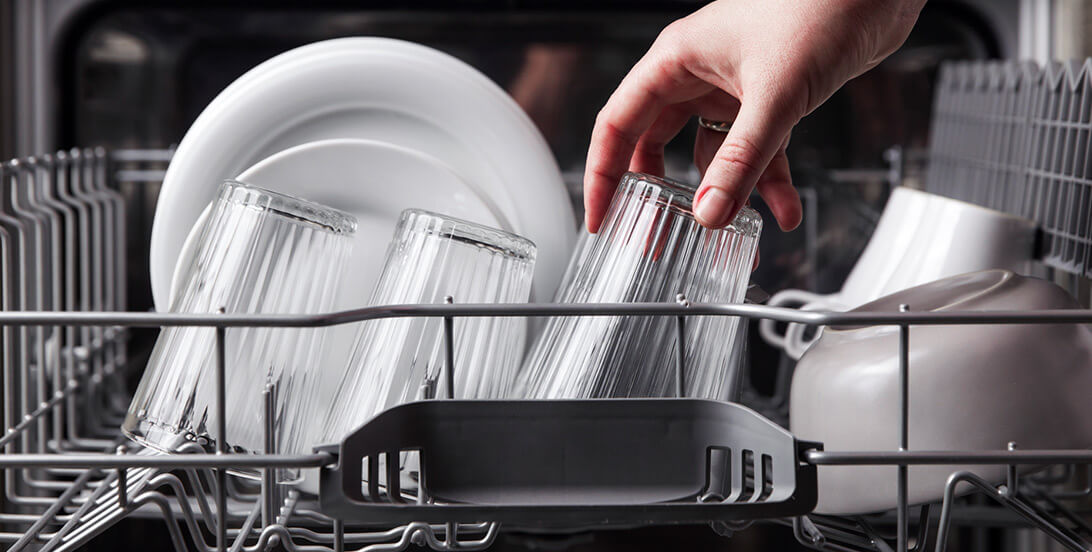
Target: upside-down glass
259	252
397	360
649	248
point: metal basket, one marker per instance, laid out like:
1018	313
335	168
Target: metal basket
68	476
1014	136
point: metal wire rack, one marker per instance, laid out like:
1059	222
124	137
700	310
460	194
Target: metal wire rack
1014	136
68	476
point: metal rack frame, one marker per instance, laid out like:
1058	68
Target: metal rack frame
1013	136
68	475
123	490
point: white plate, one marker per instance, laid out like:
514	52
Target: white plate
371	180
381	89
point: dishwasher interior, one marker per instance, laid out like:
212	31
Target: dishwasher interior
122	82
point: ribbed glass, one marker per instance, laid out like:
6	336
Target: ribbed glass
259	252
397	360
649	248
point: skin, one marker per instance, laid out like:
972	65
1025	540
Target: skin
762	64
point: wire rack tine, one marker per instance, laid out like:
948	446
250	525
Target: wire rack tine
62	248
1015	137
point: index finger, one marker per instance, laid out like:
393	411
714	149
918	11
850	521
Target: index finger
618	127
632	108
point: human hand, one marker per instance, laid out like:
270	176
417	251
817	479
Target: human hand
763	65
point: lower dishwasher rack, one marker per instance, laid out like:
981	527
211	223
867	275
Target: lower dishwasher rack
469	451
68	475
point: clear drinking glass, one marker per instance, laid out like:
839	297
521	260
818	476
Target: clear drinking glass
398	360
259	252
649	248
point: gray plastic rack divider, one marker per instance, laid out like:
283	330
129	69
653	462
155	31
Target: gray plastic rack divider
587	462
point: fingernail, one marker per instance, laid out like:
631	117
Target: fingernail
588	225
713	207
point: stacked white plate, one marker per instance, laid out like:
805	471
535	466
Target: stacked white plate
430	132
370	126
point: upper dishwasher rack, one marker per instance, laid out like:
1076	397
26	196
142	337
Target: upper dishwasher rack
1014	136
68	475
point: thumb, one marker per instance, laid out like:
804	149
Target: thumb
755	136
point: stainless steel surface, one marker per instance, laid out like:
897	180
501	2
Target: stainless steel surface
7	70
925	458
904	430
107	460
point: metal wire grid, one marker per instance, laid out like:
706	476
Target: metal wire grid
68	476
242	519
59	227
1014	136
62	248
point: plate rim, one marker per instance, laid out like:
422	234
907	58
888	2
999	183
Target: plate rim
273	70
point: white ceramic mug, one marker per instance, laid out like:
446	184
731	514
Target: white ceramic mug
920	237
961	237
905	210
800	299
907	214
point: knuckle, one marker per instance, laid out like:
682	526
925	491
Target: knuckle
739	154
672	33
615	132
789	90
601	118
601	180
796	97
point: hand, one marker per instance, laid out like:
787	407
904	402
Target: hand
763	64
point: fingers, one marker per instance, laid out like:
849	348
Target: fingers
629	112
656	83
648	156
755	138
706	144
717	107
608	155
775	186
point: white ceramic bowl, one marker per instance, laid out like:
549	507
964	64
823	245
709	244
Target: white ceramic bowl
971	387
920	237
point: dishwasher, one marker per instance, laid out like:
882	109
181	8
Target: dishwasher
76	325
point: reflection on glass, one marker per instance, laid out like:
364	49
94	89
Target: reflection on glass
649	249
259	252
397	360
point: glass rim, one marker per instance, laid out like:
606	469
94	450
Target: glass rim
466	231
296	208
747	221
675	186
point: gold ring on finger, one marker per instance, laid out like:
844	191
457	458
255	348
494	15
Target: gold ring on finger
715	126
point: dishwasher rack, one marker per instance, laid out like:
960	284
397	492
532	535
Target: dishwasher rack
69	476
1013	136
